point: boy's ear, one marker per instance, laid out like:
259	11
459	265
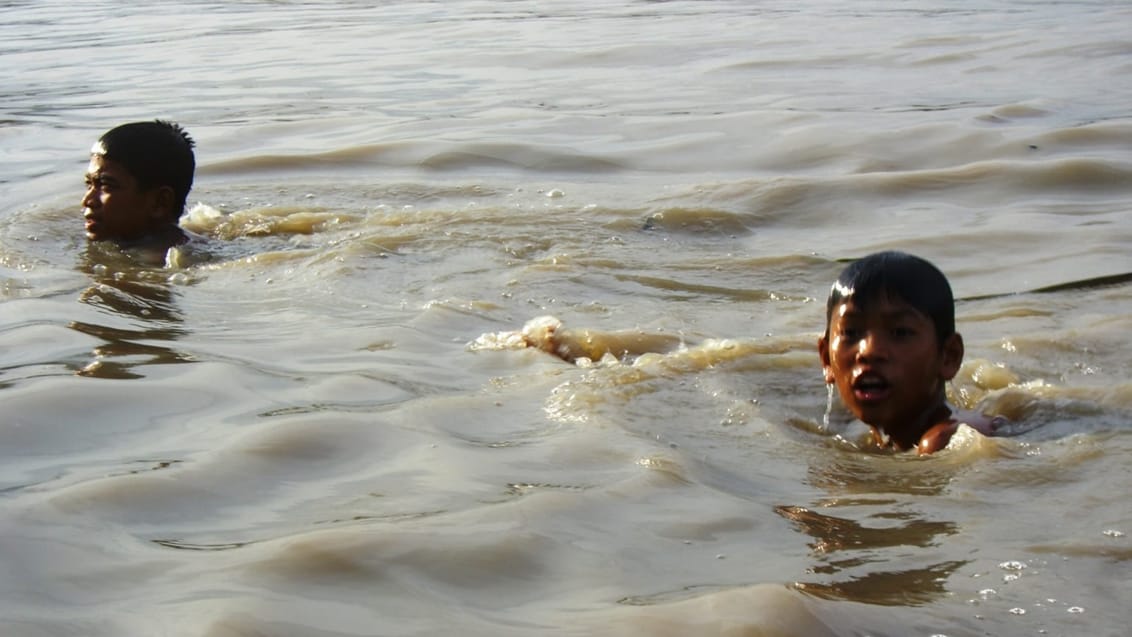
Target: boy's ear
952	356
163	202
823	352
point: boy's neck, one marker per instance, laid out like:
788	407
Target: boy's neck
908	437
165	236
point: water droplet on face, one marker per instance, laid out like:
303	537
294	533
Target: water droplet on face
827	420
828	407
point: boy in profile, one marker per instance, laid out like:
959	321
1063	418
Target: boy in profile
890	347
137	182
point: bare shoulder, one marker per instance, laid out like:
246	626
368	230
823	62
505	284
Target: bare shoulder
936	437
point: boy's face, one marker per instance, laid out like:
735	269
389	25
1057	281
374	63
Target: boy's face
886	362
116	208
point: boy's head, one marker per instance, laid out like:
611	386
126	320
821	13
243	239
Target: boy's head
138	180
896	276
890	343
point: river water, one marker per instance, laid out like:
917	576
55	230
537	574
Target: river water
333	427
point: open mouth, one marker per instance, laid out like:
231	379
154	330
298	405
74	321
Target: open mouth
870	387
91	227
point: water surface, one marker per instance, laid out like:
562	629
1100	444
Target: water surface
330	429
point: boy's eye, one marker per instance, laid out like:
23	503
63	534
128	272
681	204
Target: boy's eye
852	333
903	332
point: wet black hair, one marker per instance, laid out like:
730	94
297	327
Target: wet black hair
157	153
900	276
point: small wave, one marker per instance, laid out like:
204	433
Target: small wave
446	157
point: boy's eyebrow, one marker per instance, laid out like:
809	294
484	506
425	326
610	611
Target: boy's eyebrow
852	310
101	177
903	313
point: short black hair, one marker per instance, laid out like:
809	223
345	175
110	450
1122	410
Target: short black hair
901	276
157	153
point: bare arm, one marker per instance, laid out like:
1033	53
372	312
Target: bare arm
986	425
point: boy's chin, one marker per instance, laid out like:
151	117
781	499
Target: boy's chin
97	232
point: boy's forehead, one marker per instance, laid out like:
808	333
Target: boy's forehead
886	305
103	165
98	164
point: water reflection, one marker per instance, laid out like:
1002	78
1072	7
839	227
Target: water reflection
913	587
842	544
124	290
832	534
869	517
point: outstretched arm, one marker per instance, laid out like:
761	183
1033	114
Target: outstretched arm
938	436
986	425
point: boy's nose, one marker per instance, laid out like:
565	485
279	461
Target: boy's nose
872	346
90	199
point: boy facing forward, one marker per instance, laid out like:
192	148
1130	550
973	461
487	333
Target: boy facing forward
890	347
137	182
